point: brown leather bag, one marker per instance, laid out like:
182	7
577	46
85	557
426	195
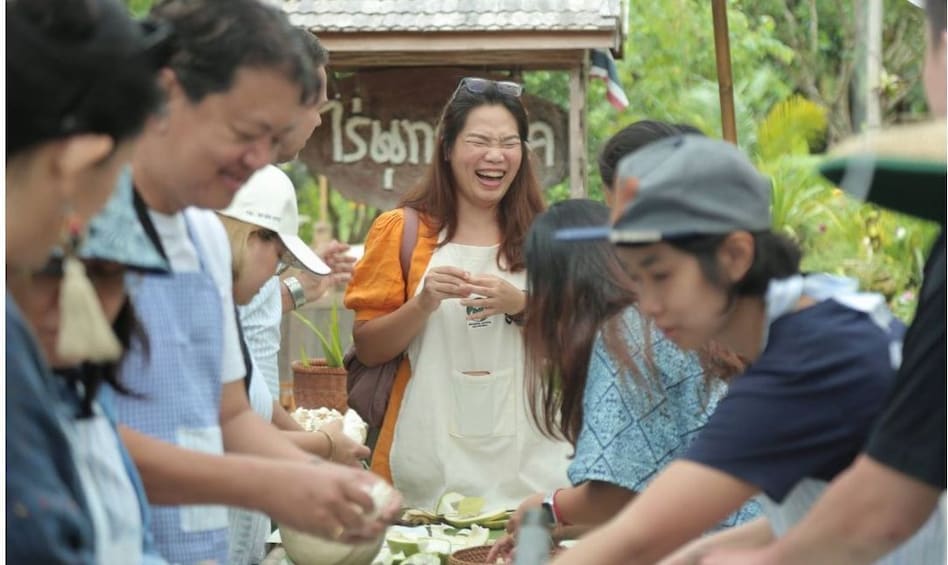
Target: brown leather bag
369	387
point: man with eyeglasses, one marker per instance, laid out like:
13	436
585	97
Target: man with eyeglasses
234	87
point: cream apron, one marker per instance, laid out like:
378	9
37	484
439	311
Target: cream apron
464	433
113	502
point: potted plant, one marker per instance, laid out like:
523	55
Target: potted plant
321	382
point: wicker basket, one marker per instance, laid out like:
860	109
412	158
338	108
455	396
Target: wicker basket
470	556
317	385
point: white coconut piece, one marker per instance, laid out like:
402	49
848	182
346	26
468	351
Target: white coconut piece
381	493
354	426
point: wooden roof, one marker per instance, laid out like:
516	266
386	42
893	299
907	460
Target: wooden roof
541	33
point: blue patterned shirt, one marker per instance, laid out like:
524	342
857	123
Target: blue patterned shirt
630	434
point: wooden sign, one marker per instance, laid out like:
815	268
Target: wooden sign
378	132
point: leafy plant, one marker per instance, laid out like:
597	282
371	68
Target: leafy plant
332	344
884	251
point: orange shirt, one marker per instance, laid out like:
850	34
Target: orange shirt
377	289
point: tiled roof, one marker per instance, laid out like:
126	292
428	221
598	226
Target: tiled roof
453	15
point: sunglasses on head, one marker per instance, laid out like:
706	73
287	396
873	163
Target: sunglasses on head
477	85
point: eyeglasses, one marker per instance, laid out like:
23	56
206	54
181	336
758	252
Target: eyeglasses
477	85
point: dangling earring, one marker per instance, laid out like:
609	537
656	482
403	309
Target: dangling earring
84	333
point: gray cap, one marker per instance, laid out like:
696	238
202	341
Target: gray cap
688	185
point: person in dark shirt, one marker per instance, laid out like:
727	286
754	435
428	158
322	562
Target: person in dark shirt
822	355
899	480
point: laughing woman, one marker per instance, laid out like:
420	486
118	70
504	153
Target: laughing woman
457	419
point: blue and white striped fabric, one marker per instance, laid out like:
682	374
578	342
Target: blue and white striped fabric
249	529
260	319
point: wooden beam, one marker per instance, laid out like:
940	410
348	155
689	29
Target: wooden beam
722	52
338	42
578	79
501	59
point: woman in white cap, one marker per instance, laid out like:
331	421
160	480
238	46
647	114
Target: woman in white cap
262	224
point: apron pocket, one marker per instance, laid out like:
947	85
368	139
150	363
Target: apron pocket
483	404
202	518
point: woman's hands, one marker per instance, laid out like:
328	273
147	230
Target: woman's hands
495	296
336	255
442	283
346	451
503	547
328	500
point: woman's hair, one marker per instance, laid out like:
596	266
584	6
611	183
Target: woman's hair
239	234
436	195
216	38
92	375
574	290
88	377
79	66
632	138
775	257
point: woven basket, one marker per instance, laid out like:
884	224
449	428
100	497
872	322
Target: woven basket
470	556
317	385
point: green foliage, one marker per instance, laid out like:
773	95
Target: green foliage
332	343
350	220
824	52
884	251
139	8
791	128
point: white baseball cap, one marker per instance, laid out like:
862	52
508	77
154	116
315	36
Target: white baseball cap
268	200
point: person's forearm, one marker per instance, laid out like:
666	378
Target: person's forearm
283	421
286	298
310	442
867	512
755	533
173	475
380	340
592	502
244	431
248	433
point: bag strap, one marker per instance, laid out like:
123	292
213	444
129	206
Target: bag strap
409	239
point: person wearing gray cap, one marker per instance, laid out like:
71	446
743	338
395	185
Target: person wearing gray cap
893	487
698	244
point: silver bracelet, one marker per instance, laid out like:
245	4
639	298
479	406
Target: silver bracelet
296	292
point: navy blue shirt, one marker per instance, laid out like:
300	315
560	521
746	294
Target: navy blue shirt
47	520
805	407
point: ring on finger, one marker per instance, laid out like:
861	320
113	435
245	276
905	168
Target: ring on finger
337	532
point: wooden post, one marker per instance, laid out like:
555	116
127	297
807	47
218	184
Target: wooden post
322	229
873	84
722	52
578	79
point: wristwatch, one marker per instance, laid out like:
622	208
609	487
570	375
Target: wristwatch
547	506
296	292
